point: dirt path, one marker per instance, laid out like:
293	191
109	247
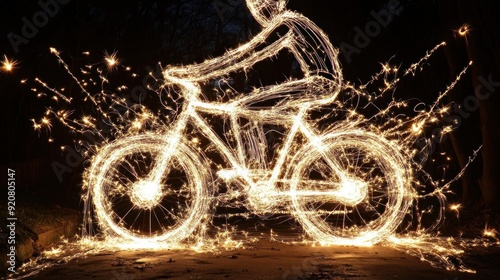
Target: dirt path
265	260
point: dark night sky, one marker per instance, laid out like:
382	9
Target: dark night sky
145	32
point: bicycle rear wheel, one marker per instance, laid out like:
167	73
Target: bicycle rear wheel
373	187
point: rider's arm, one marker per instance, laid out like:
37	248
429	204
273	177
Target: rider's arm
299	39
244	56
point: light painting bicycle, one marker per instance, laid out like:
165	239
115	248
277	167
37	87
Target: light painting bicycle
344	184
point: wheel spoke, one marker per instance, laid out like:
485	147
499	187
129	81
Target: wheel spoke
364	208
133	206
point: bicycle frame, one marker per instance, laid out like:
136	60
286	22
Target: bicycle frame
187	77
295	119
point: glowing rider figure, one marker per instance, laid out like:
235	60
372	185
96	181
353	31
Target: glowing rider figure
306	41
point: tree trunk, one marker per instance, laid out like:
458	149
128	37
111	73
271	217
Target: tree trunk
463	145
483	50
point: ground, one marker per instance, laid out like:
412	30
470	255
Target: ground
280	258
265	259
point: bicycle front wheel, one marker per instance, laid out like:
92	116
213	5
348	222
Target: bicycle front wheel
131	206
362	186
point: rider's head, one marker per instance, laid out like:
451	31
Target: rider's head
264	10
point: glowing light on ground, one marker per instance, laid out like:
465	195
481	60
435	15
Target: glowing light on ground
490	232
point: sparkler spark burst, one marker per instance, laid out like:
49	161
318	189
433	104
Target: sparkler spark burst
112	60
151	182
463	30
8	65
